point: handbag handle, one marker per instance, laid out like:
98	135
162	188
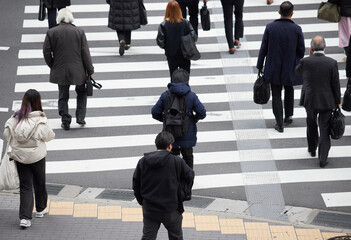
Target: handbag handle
95	84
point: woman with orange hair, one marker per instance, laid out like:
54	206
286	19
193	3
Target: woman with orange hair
169	36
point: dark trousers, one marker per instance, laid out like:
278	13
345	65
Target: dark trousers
193	9
172	222
313	140
32	175
187	154
124	35
52	16
227	6
176	62
63	102
277	104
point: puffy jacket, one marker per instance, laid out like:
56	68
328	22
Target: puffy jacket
345	7
155	182
193	106
56	3
28	137
123	15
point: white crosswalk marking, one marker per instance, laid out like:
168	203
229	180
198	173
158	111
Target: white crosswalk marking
212	91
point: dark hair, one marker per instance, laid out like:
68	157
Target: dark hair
31	102
286	8
180	76
163	139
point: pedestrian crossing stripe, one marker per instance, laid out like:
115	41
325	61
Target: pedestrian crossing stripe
337	199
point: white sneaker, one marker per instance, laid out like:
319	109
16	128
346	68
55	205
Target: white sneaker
40	214
25	223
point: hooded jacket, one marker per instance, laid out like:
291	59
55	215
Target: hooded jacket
155	181
28	137
193	106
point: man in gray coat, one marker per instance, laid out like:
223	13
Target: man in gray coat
320	95
70	64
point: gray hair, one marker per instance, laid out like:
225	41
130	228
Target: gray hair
65	15
318	43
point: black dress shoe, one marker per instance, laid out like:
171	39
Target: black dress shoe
65	126
323	164
288	120
312	153
122	45
279	128
81	121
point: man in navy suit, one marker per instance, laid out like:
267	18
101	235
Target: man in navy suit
282	46
320	94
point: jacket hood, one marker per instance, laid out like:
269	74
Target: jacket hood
179	89
156	159
25	129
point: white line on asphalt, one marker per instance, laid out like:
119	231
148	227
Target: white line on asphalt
338	199
4	48
4	109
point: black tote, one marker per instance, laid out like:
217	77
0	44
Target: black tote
42	12
142	13
261	90
337	124
188	45
346	102
205	18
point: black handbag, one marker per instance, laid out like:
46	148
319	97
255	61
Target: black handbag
337	124
142	13
329	12
346	102
188	45
261	90
184	188
205	18
89	84
42	12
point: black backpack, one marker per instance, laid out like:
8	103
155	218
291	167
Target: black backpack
261	90
175	117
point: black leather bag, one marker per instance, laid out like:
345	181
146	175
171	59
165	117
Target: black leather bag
42	12
142	13
337	124
205	18
261	90
346	102
89	84
184	188
188	45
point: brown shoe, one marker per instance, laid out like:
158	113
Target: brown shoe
232	51
269	2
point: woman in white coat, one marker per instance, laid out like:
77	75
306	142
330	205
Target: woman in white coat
28	130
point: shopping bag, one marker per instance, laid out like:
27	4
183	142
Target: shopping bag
8	173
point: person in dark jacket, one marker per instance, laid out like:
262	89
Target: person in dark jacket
180	86
282	46
53	6
169	36
155	186
193	9
320	95
70	62
123	17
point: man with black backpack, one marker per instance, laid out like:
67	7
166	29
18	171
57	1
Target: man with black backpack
180	109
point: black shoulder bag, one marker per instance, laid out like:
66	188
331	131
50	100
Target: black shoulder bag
188	45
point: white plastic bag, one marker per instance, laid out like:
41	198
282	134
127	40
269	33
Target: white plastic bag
8	173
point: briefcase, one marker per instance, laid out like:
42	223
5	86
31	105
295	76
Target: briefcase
205	18
89	84
337	124
346	102
261	90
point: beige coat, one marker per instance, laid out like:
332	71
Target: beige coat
28	137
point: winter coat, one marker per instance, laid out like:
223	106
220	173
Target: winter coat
56	3
28	137
123	15
169	36
193	105
345	7
155	182
283	46
66	52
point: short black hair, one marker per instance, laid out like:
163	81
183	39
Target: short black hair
286	8
163	139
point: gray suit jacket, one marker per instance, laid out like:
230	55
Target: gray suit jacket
321	86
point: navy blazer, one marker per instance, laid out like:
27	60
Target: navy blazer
282	46
321	86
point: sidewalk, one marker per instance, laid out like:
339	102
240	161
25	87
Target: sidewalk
91	213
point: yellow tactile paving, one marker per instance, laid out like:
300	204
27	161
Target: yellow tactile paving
109	212
283	232
257	231
308	234
327	235
85	210
256	225
61	208
188	220
232	226
132	215
207	223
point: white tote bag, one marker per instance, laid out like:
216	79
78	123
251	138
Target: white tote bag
8	172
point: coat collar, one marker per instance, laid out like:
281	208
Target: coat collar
283	19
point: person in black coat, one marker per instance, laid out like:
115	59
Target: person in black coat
193	9
123	17
320	94
155	185
180	86
281	49
53	6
